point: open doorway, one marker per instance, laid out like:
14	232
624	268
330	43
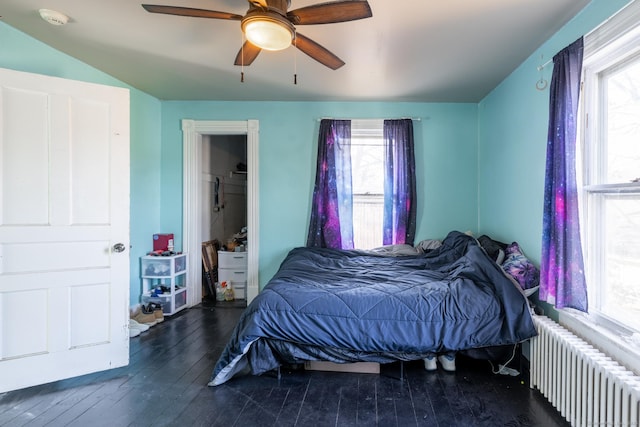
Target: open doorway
194	132
224	219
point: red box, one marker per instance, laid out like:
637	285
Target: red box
163	242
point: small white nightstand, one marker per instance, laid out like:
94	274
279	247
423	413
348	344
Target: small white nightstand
232	267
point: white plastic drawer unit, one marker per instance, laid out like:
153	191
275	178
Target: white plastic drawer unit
165	272
163	266
233	275
232	267
232	259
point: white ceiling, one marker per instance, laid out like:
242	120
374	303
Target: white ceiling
410	50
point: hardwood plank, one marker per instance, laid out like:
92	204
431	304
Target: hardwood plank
404	401
259	409
393	406
323	400
367	400
297	388
480	394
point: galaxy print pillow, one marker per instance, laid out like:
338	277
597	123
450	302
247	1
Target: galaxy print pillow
518	266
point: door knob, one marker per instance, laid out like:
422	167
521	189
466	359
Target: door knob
119	247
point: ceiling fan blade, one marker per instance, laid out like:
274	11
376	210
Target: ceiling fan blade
259	3
187	11
247	54
318	52
330	12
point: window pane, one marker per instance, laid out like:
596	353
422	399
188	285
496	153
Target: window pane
621	293
367	221
367	156
623	123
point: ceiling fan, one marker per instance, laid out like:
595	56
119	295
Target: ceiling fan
269	25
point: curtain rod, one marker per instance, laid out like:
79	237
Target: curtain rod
540	67
417	119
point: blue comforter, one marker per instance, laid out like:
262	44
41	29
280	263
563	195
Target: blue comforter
346	306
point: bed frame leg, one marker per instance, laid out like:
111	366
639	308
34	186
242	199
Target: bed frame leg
279	373
402	371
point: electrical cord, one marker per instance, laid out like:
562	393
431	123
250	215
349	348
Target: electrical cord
503	369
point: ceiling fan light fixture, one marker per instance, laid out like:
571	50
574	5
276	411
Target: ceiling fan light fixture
268	31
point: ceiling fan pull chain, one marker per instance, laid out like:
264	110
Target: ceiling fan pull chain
242	57
295	59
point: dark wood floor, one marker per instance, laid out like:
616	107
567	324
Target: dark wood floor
165	385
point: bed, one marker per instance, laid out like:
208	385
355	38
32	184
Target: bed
347	306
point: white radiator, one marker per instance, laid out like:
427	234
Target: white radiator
586	386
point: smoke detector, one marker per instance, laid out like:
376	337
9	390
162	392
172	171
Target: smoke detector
53	17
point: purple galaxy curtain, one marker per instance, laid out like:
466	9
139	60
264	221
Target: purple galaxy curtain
399	218
562	281
331	224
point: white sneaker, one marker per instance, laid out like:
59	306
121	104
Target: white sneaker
137	325
430	363
133	332
447	363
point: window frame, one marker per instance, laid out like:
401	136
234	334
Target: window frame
608	48
368	129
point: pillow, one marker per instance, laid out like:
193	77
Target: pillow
395	250
428	245
518	266
493	248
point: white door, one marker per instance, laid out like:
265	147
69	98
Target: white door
64	228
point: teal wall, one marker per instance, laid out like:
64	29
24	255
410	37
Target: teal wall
512	139
23	53
446	159
480	167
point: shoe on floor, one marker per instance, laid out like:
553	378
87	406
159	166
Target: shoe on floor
133	332
156	309
159	315
146	319
134	324
430	363
448	362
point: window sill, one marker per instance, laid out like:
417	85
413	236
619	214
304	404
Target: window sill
616	345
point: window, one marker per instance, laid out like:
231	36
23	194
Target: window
367	169
331	222
611	169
